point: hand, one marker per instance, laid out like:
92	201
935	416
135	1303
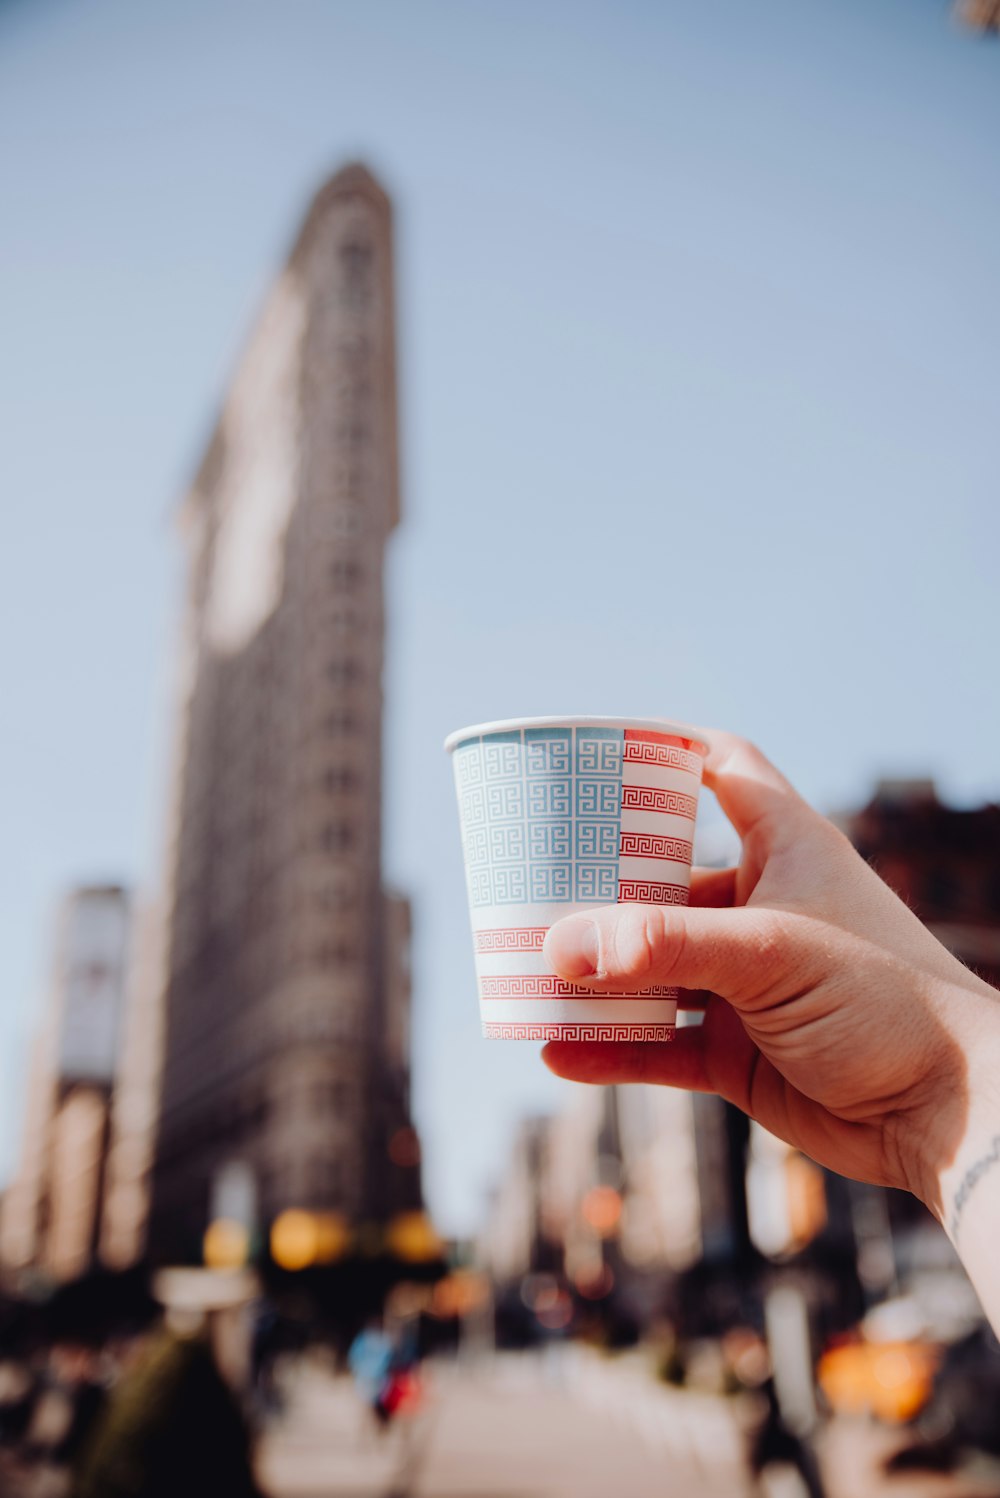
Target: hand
832	1016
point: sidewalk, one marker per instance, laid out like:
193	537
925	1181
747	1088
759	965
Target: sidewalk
326	1445
852	1453
569	1424
515	1427
527	1428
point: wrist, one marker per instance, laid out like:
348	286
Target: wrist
968	1176
962	1148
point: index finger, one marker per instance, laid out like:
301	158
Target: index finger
749	788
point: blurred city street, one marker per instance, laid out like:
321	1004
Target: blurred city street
500	360
565	1422
519	1425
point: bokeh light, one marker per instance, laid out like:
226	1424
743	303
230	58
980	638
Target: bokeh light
411	1237
295	1239
226	1244
601	1209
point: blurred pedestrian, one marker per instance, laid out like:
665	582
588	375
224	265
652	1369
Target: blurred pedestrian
776	1444
370	1361
386	1371
172	1429
18	1391
81	1378
265	1347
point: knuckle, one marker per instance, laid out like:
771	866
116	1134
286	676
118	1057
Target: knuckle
741	751
780	952
771	945
647	939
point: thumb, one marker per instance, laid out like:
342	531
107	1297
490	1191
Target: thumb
742	954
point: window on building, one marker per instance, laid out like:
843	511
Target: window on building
336	954
338	891
345	522
341	779
341	723
349	482
345	572
356	263
344	673
343	620
353	348
338	1093
338	836
257	1112
325	1181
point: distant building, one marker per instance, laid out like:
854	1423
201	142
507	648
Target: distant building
605	1190
52	1210
858	1243
943	861
984	15
135	1102
274	1013
702	1190
665	1221
513	1243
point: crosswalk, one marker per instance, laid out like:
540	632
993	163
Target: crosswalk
326	1445
702	1428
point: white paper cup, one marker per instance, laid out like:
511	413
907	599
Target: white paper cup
560	815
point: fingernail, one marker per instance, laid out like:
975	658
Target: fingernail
572	947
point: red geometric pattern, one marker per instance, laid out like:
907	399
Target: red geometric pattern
651	845
667	738
510	939
654	798
557	1031
649	892
548	986
661	749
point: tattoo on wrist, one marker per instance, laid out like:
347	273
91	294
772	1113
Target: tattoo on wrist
971	1180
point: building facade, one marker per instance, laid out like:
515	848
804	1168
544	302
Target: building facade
135	1101
52	1210
604	1194
277	993
944	861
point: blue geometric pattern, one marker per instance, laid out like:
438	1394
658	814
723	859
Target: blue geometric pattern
541	815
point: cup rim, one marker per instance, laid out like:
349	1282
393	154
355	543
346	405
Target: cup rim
569	720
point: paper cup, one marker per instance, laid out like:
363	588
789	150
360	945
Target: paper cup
560	815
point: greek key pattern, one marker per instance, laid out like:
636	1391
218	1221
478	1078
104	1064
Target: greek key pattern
654	798
494	1031
651	845
510	939
541	816
548	986
664	751
650	892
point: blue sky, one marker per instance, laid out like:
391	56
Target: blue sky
698	329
